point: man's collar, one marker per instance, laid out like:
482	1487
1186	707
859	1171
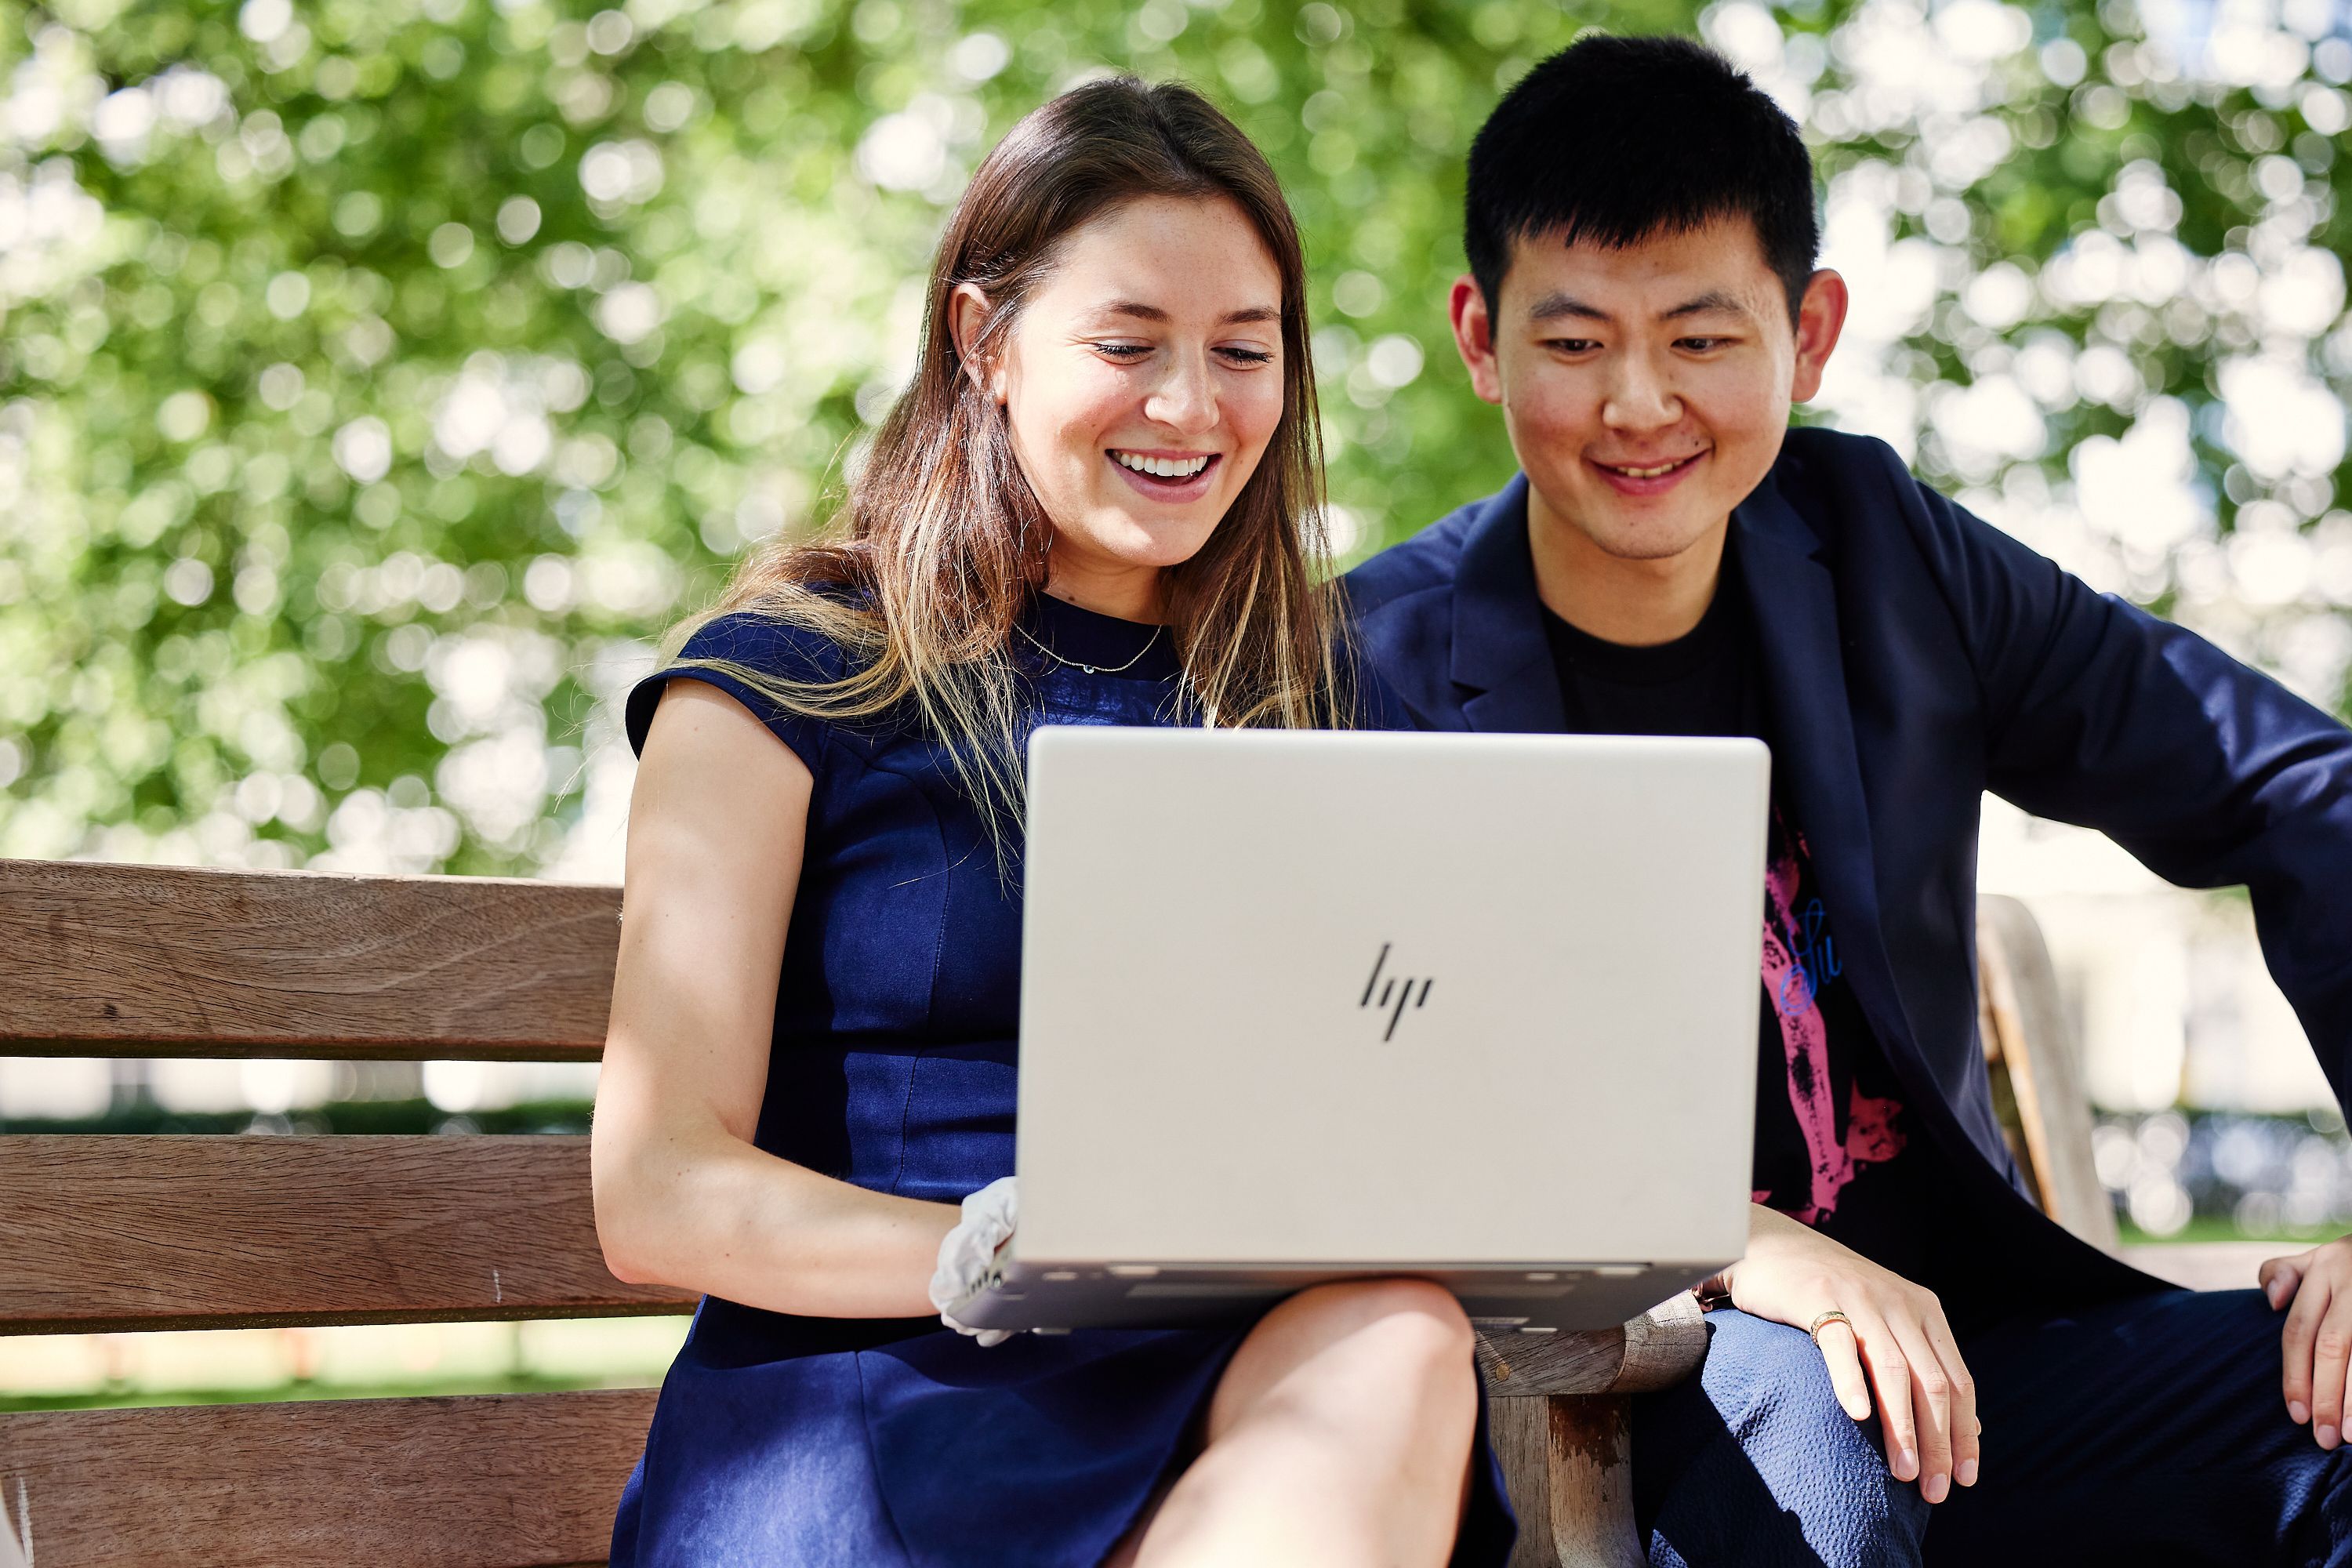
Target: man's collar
1766	516
1498	614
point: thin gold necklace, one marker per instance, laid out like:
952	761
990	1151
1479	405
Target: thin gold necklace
1093	669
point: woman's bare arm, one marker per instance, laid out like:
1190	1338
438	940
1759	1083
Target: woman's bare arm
716	828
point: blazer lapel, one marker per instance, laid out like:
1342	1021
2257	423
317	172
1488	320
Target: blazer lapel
1793	606
1500	653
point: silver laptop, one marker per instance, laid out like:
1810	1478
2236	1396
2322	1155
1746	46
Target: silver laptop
1301	1006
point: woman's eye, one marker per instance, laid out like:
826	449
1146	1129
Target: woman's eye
1248	356
1123	351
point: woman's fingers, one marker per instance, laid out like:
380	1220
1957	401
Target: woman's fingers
1841	1352
1890	1380
2298	1344
1967	1429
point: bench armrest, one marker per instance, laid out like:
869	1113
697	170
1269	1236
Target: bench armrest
1656	1350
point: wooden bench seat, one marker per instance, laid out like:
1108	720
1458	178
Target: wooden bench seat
127	1233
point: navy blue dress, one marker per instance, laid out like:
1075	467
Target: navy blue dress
793	1441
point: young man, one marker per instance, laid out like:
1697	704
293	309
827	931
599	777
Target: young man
1912	1360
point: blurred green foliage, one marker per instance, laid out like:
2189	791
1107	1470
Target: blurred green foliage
378	377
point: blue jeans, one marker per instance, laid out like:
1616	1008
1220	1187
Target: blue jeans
2148	1431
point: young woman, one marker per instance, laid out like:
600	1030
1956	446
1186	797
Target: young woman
1094	505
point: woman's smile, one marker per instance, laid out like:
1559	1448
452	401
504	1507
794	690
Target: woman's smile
1164	476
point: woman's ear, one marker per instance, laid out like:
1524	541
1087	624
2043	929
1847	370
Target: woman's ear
968	311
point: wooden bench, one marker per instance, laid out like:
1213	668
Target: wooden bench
132	1232
142	1232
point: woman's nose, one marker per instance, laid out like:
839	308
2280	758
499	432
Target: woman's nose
1186	398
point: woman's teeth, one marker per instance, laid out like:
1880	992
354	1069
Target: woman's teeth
1160	468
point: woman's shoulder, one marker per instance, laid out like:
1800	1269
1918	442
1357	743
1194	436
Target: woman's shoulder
779	645
757	654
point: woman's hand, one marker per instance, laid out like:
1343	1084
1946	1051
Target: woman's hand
968	1254
1894	1340
2317	1339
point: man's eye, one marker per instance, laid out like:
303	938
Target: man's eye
1701	346
1571	345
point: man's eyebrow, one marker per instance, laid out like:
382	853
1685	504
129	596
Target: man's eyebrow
1713	300
1556	307
1144	312
1559	307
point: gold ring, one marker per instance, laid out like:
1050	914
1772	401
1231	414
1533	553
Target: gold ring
1824	1321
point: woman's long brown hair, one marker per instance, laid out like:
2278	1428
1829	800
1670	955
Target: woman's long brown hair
944	540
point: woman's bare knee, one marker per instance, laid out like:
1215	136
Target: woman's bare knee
1416	1315
1376	1338
1341	1432
1413	1317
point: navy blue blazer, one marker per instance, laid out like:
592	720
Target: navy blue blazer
1914	657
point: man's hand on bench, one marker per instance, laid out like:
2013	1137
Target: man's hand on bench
1885	1342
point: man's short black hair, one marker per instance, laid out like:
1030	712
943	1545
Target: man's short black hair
1618	140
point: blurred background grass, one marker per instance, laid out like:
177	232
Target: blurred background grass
219	1366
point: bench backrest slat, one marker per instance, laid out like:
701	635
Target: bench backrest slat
2020	1004
165	961
128	1232
498	1481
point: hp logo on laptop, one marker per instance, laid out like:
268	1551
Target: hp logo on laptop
1396	993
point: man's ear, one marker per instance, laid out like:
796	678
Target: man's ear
968	310
1474	337
1820	317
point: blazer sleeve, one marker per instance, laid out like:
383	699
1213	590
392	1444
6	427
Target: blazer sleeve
2210	773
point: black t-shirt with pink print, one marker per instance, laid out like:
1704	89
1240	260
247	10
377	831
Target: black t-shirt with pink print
1833	1148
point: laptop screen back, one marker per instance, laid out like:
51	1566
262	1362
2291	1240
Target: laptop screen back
1361	998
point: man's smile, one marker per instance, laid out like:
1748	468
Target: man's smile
1656	471
1647	479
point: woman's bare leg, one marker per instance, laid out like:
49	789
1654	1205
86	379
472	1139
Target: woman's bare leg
1339	1434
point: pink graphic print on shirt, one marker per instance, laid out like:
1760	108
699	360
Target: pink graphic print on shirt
1800	958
